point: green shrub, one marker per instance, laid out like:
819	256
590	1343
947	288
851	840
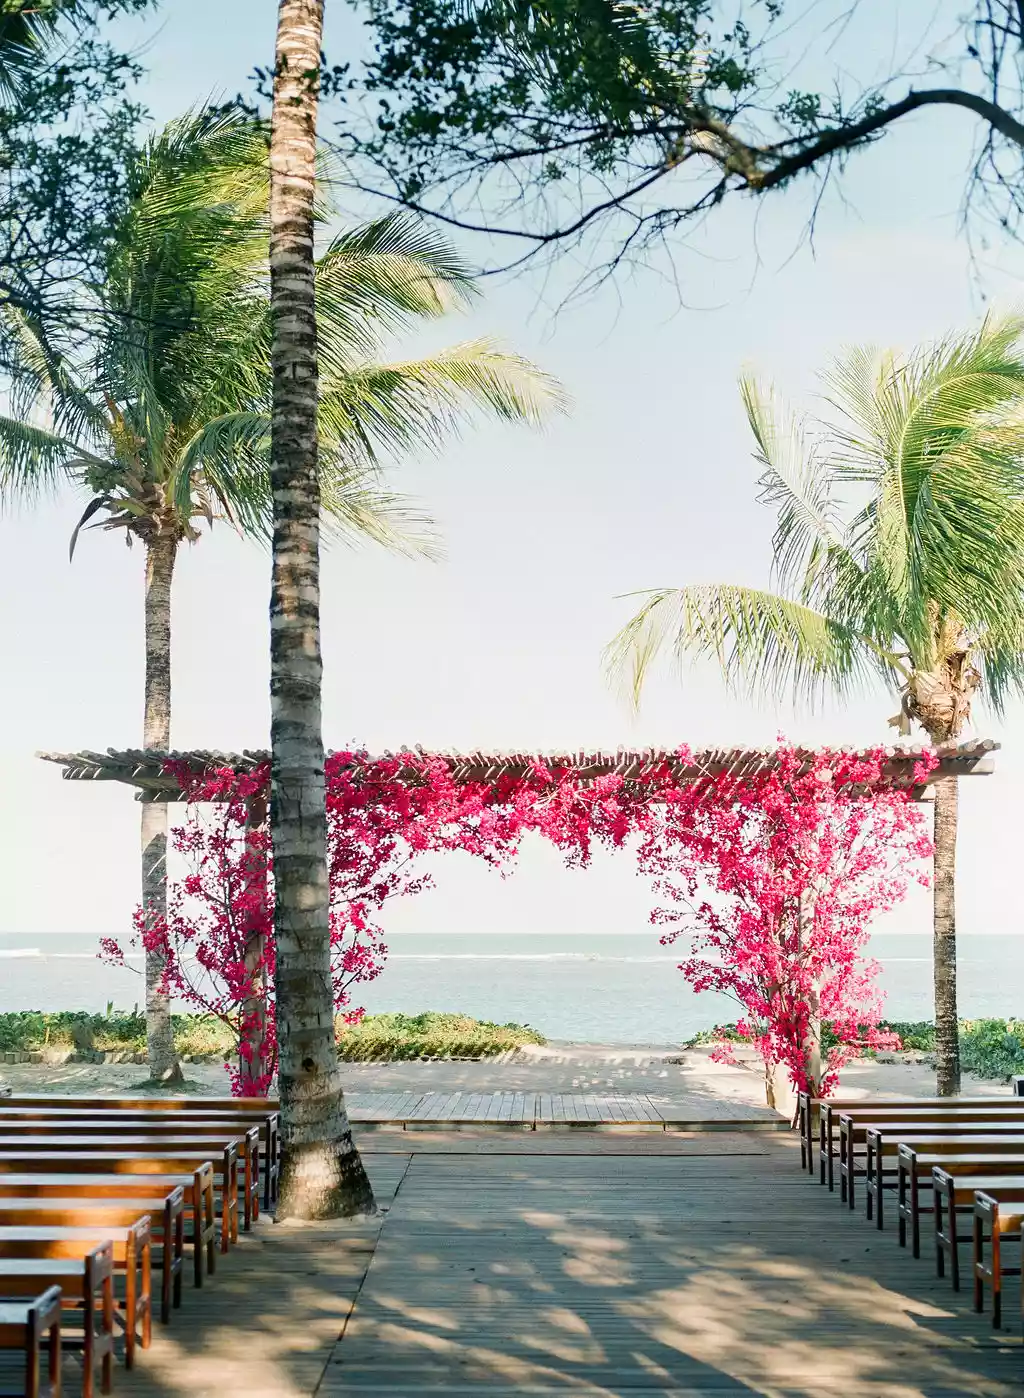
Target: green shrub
992	1048
722	1033
914	1034
378	1037
429	1035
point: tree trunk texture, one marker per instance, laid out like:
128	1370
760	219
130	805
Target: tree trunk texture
161	551
322	1175
947	1034
253	1062
812	1040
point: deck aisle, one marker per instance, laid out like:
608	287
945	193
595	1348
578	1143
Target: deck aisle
533	1109
504	1267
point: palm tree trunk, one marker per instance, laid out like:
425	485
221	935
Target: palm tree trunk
253	1063
161	551
322	1175
947	1035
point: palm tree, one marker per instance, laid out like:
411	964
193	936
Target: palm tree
322	1175
163	417
898	555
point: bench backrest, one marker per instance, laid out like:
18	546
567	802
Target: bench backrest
979	1144
83	1213
91	1268
98	1186
964	1187
143	1104
82	1118
71	1136
88	1162
43	1241
1004	1112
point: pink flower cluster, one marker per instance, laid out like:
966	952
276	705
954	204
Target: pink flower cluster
777	877
733	858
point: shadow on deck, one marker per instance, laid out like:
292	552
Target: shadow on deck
718	1269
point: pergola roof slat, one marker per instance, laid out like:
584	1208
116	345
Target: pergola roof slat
144	769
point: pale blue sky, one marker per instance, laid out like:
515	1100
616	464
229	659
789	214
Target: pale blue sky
649	482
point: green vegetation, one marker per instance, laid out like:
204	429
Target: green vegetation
379	1038
991	1048
432	1035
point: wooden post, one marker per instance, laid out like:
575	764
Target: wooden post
254	1009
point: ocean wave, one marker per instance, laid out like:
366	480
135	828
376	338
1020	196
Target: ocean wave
37	954
524	956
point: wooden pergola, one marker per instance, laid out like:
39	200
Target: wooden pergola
145	770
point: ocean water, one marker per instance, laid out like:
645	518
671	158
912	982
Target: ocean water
603	989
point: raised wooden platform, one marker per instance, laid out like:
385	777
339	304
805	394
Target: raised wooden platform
651	1267
562	1110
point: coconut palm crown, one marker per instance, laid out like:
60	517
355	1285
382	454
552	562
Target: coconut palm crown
160	418
898	556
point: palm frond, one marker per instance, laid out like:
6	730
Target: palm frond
762	642
797	481
33	460
230	454
357	506
374	281
422	403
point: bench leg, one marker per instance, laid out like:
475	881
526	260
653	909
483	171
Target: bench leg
107	1376
55	1357
940	1257
179	1253
954	1247
995	1251
33	1340
901	1204
167	1269
978	1252
146	1299
88	1339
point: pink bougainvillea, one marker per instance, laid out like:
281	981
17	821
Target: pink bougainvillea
776	875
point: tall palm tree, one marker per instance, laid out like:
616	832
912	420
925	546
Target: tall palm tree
898	555
322	1175
163	417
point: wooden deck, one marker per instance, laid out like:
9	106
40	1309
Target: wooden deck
532	1110
589	1266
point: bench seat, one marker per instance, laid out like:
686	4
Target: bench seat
27	1326
132	1258
87	1284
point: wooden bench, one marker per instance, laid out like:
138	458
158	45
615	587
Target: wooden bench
954	1195
253	1109
162	1123
87	1284
995	1219
888	1131
810	1111
35	1156
165	1212
76	1135
914	1171
883	1145
132	1258
196	1188
26	1326
882	1109
854	1133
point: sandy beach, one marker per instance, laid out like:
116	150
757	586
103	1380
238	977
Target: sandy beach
666	1075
